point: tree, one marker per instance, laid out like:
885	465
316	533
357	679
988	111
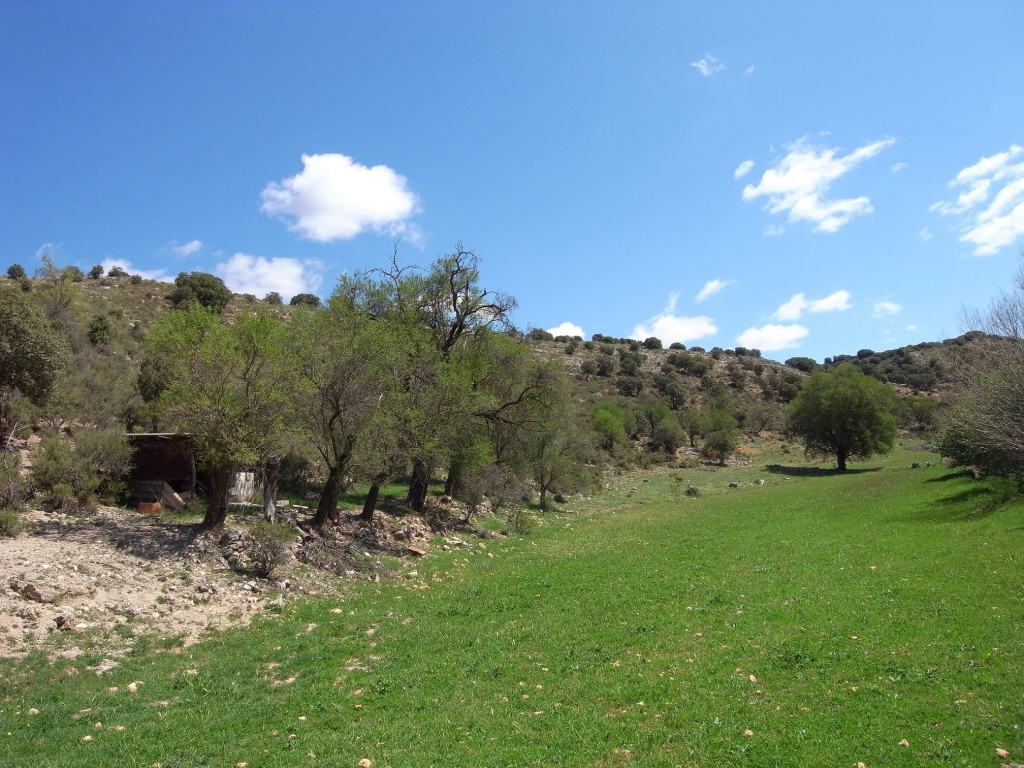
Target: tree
273	298
346	364
984	426
720	434
16	272
844	413
307	299
32	354
227	389
96	272
207	290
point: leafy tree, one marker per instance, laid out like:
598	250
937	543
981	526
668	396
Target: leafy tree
96	272
306	299
652	342
116	271
805	364
227	388
346	364
32	354
612	423
207	290
273	298
844	413
16	272
720	434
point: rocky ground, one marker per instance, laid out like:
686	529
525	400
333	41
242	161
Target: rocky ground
71	584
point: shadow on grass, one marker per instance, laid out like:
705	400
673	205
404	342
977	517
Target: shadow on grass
779	469
946	477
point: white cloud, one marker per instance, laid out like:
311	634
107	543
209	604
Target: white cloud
799	182
335	198
925	235
708	66
743	169
193	246
711	287
149	274
770	338
798	304
897	167
749	70
885	308
566	329
243	273
670	327
911	327
774	230
989	225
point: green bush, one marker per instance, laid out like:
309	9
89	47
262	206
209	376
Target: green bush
11	522
85	467
518	522
269	547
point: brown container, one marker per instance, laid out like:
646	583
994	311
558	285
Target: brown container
149	507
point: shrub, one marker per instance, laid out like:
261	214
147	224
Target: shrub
99	330
96	272
16	272
80	470
116	271
273	298
269	547
518	522
11	522
307	299
652	342
539	334
136	280
208	290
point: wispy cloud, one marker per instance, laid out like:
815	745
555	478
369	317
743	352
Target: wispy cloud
244	273
670	327
566	329
774	230
897	167
770	338
708	66
925	235
799	183
743	169
711	287
189	248
885	309
796	306
336	198
991	203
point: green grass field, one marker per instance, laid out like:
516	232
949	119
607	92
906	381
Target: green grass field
817	620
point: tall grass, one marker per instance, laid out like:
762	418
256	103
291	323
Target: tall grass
819	620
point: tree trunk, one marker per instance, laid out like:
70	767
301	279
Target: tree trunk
271	473
544	498
841	460
370	504
418	486
217	508
329	498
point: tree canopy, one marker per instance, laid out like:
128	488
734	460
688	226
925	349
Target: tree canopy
843	413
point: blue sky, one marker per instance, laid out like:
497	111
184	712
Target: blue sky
806	178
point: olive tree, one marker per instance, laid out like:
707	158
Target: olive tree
227	388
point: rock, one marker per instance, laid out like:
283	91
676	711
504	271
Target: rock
27	613
34	592
734	485
63	623
561	498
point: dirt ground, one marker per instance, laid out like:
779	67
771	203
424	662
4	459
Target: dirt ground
74	584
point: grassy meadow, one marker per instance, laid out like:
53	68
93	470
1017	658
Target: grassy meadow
819	619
